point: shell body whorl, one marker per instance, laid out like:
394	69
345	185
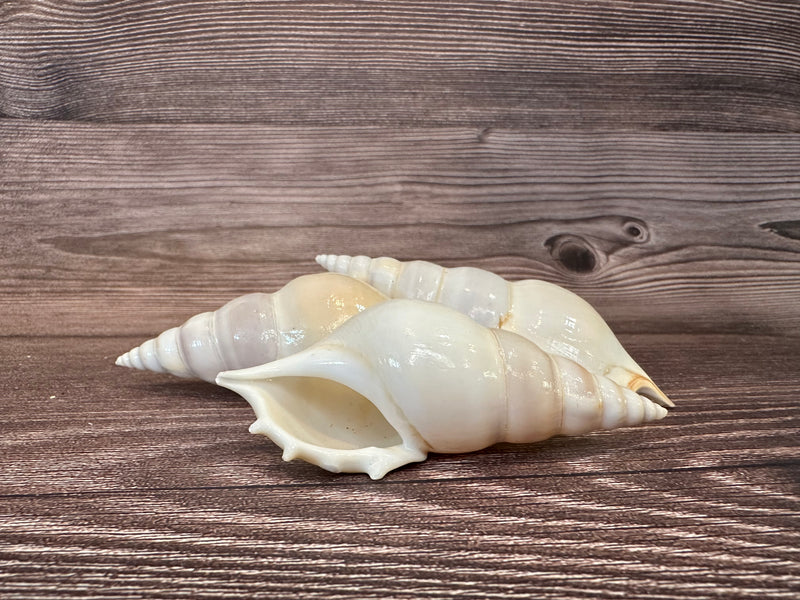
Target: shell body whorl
407	377
255	328
557	320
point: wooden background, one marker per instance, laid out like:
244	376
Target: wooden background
160	158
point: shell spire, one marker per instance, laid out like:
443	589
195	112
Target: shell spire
160	354
255	328
558	320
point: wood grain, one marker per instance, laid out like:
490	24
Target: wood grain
118	484
721	65
159	158
167	221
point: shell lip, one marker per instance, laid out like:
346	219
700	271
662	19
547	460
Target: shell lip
261	387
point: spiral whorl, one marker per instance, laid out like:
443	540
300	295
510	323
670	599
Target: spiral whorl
382	273
255	328
142	357
185	351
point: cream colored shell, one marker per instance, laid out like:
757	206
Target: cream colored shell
406	377
255	328
557	320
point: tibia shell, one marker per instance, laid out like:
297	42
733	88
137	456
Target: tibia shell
255	328
557	320
408	377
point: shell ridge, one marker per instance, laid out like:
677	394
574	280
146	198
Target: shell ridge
507	311
212	335
275	324
558	388
213	328
601	406
181	351
440	286
503	435
399	268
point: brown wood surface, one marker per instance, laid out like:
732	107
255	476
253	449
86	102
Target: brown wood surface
663	64
158	159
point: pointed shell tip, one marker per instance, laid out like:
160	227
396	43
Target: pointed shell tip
651	391
656	395
661	412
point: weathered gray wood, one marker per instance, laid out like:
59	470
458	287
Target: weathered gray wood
722	65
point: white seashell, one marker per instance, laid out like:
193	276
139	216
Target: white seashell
407	377
255	328
556	319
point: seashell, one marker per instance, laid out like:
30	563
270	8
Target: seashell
255	328
407	377
559	321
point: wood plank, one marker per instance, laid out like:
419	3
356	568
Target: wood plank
119	484
162	222
721	65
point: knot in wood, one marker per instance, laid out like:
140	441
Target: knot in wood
574	253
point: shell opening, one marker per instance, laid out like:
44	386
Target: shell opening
324	413
320	405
